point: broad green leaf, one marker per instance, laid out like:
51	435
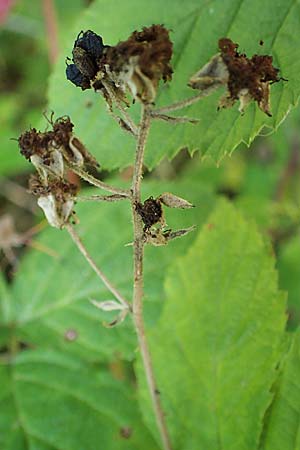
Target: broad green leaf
283	421
51	294
5	303
221	330
288	265
196	28
50	401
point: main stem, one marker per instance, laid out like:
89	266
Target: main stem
137	306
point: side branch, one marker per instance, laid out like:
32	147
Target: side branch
137	304
101	198
98	183
89	259
184	103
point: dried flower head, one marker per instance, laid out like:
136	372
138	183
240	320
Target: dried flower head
49	151
152	215
52	152
246	78
56	198
142	61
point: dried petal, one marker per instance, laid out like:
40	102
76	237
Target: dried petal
72	148
173	201
81	156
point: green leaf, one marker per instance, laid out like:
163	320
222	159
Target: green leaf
5	303
283	426
51	294
288	264
196	28
221	330
50	401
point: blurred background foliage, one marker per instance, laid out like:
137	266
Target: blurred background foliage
263	181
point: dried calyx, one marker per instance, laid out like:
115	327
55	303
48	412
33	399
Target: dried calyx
52	153
246	78
135	65
152	215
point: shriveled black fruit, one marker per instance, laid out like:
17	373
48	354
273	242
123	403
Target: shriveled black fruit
76	77
91	43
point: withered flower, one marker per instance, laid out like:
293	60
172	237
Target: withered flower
246	78
52	152
49	151
142	61
56	198
152	215
151	212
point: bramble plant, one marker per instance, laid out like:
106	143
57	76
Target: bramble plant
214	364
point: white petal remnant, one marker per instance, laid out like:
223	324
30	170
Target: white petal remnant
56	198
57	214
